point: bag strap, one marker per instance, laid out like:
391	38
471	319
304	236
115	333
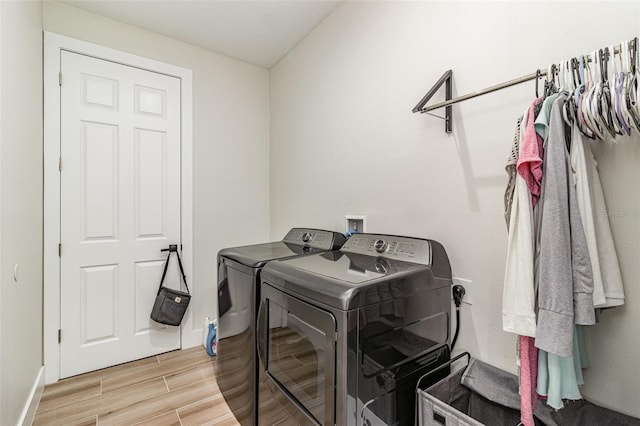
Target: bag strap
173	248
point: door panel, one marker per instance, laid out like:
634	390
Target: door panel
99	180
146	282
150	183
99	304
120	204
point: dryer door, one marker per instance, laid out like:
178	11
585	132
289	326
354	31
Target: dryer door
296	346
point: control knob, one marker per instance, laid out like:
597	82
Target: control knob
382	266
380	246
306	237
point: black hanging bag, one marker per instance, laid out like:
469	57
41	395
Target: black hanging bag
170	304
224	295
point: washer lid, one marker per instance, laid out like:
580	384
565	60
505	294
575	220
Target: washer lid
363	272
348	267
257	255
348	280
298	241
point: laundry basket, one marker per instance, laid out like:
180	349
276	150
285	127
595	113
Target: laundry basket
481	394
489	396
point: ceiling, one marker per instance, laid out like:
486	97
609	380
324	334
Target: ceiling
259	31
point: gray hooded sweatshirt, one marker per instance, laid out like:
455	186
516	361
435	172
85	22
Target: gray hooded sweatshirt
565	275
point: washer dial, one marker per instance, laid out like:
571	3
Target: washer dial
380	246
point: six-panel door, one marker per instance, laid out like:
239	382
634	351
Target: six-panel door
120	204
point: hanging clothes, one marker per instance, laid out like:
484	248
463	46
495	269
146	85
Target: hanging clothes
518	297
528	379
565	293
561	258
560	377
512	171
609	265
585	207
542	120
530	169
530	158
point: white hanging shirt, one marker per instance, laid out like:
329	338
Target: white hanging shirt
585	206
518	297
609	266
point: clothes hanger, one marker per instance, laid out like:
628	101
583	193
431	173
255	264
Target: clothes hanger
577	74
585	98
621	88
607	111
613	75
577	81
567	116
637	75
549	86
632	84
589	108
565	83
577	71
603	104
569	78
586	82
538	107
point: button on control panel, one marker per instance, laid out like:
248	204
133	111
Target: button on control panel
390	246
310	237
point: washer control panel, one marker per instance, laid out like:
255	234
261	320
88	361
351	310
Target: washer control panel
310	237
414	250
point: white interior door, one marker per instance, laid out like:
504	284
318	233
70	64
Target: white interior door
120	205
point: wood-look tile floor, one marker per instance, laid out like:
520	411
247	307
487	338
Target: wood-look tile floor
175	388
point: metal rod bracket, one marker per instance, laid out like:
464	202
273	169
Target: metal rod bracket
446	80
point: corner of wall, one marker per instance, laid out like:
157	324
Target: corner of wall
21	209
31	406
1	333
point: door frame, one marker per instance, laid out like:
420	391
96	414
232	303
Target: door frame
190	333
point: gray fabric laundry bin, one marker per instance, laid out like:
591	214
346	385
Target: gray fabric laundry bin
481	394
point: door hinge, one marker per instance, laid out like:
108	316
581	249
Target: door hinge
60	78
59	249
59	164
59	335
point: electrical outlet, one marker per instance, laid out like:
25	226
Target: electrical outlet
468	287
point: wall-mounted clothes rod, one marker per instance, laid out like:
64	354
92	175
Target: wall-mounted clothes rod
448	75
497	87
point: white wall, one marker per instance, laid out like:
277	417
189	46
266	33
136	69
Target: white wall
230	138
344	140
21	206
2	391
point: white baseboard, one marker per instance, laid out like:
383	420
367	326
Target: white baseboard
192	338
31	405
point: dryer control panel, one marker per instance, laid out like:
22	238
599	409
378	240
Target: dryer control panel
414	250
317	238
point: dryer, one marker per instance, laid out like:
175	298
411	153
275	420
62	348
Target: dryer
344	336
238	294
